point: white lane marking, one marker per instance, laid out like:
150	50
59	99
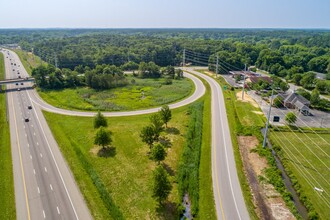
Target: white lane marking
45	169
28	145
43	211
34	171
31	156
32	126
38	190
34	133
51	187
23	126
25	135
38	143
41	155
58	170
58	210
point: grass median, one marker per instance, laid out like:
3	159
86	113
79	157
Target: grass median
7	201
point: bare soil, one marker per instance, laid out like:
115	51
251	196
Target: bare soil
247	98
268	202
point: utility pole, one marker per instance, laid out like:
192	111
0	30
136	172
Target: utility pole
217	67
184	58
243	83
268	116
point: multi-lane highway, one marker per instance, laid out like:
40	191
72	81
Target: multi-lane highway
36	155
44	186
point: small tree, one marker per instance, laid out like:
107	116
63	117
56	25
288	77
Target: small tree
315	97
291	118
102	137
278	102
158	153
100	120
148	135
157	125
165	114
161	184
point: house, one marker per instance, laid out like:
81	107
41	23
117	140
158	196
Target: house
296	101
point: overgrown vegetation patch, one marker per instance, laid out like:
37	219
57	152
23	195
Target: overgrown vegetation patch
188	172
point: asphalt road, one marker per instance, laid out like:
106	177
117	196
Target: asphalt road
227	191
44	185
228	196
199	92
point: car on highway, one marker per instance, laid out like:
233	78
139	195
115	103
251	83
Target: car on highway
22	83
30	107
19	76
16	84
26	119
18	89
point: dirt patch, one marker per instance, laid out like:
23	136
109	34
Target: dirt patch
258	112
247	98
268	202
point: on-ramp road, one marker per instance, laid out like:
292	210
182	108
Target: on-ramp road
227	192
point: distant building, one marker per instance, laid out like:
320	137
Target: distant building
296	101
256	79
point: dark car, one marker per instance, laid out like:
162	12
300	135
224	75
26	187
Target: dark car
16	84
26	119
19	76
30	107
22	83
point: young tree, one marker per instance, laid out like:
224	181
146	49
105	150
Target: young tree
102	137
100	120
278	102
161	184
158	153
290	118
157	125
165	114
148	135
315	97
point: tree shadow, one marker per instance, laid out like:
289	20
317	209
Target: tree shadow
169	170
107	152
172	130
166	142
168	210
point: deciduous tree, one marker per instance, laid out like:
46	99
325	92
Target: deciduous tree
102	137
165	114
161	184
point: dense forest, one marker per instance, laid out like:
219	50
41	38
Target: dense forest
291	54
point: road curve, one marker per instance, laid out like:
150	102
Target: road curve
199	92
227	192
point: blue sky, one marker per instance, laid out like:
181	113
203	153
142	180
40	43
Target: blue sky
165	13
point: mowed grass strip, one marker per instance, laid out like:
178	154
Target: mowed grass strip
206	198
142	94
7	201
126	172
298	149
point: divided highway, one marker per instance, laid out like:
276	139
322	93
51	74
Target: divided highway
44	185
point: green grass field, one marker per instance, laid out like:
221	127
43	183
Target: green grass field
29	60
121	99
206	198
306	166
126	173
7	201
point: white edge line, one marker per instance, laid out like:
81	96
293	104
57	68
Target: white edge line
58	170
